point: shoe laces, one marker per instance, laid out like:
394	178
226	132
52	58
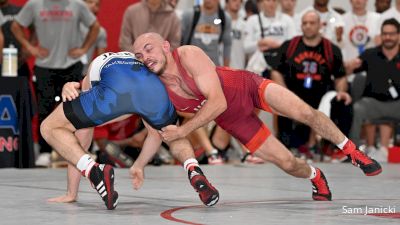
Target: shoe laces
359	158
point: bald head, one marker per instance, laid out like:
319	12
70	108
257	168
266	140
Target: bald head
311	15
149	36
310	24
151	49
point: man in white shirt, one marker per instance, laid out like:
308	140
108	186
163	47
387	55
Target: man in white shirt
288	7
382	5
276	28
238	57
360	29
393	12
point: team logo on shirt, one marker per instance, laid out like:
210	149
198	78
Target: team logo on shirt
274	31
310	62
207	33
56	13
359	35
236	34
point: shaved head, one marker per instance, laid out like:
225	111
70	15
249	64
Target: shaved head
151	49
310	24
154	37
311	15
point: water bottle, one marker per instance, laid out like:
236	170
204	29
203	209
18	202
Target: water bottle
10	61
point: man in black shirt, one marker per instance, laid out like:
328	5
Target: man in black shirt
381	94
310	66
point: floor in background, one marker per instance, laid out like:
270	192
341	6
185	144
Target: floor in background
250	194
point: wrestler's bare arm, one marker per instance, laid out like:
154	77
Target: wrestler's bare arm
200	66
150	147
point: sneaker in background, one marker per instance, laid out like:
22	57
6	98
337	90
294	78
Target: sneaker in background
215	158
43	160
117	156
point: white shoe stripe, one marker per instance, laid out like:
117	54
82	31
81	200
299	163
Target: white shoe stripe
104	194
100	185
213	202
102	189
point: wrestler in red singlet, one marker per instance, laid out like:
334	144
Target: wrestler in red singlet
243	91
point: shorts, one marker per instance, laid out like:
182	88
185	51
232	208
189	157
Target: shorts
244	92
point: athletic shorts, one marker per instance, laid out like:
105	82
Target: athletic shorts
244	92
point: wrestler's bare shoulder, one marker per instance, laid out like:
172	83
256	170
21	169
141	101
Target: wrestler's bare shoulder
188	50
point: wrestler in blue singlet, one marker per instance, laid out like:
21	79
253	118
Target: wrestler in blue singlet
121	85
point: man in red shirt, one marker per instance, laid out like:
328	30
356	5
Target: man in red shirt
204	92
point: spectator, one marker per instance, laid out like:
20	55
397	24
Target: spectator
209	28
59	51
238	57
331	22
174	4
393	12
305	66
250	8
382	5
149	16
100	45
381	95
360	29
289	8
276	28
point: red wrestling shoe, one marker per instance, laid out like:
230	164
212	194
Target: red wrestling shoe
102	178
321	190
208	194
369	166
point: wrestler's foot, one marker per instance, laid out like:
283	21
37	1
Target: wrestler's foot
369	166
102	178
321	190
208	194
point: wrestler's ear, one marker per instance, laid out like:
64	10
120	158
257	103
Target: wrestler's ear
166	46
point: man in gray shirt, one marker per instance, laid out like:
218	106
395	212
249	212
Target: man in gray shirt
59	51
100	45
206	32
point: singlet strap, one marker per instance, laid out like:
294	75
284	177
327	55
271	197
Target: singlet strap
188	80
